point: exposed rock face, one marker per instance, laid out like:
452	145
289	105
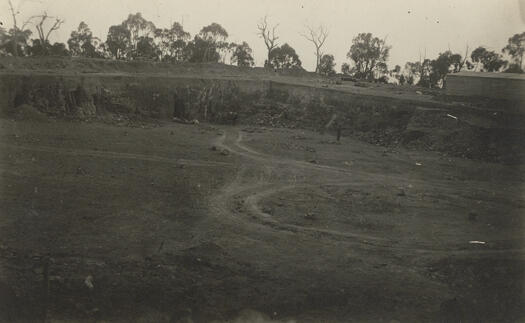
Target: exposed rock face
471	133
156	97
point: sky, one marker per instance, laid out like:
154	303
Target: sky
411	27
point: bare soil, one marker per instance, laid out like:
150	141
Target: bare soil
195	223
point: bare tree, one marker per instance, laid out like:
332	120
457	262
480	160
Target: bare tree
14	13
42	34
317	37
269	37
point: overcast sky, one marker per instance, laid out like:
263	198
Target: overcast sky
410	26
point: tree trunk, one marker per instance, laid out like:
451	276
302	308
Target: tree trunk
318	61
15	42
15	30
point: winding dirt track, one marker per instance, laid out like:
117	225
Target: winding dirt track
251	191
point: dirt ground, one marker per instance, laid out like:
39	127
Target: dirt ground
196	223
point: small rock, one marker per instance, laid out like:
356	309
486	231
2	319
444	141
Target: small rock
401	193
313	161
89	282
214	148
472	216
225	152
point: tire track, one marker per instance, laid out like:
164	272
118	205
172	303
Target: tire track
253	193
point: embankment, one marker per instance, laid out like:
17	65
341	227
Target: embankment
459	130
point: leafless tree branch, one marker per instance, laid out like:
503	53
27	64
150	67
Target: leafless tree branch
42	34
269	37
317	37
